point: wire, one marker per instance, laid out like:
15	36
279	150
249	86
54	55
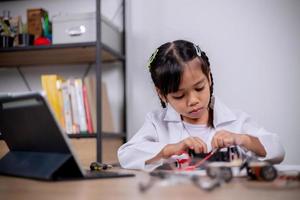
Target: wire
201	162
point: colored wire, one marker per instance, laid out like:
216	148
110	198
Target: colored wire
201	162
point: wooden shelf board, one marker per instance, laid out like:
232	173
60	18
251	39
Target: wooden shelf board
56	54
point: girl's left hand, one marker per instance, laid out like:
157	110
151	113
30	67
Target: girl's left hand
225	138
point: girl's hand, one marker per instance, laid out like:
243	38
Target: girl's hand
225	138
194	143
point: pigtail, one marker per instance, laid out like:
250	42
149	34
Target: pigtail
162	103
205	58
212	98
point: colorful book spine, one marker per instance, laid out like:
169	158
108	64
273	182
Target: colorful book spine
67	108
74	106
81	109
74	103
90	84
87	110
51	85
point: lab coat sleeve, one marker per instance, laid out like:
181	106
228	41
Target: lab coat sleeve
143	146
270	141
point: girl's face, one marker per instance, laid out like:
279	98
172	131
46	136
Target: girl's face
192	99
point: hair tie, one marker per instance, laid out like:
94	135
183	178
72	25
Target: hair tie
198	50
152	57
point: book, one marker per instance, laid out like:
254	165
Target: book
74	103
51	86
107	120
74	106
87	110
90	85
80	106
67	108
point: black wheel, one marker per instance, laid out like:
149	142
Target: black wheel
223	173
226	173
211	172
268	173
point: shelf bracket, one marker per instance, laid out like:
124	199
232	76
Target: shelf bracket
23	78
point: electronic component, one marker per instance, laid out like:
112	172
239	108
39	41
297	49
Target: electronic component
96	166
225	154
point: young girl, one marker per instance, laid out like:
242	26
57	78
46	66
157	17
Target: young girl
191	117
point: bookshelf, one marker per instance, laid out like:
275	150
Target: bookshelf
75	53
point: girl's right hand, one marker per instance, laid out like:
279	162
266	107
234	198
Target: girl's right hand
194	143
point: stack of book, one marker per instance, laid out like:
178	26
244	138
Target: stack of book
73	102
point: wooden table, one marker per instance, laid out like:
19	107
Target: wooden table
12	188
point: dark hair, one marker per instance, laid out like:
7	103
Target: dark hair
166	66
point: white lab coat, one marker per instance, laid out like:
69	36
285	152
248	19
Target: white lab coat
164	127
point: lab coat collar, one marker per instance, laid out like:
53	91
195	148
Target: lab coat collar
171	114
222	114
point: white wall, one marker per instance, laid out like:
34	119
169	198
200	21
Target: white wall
253	46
